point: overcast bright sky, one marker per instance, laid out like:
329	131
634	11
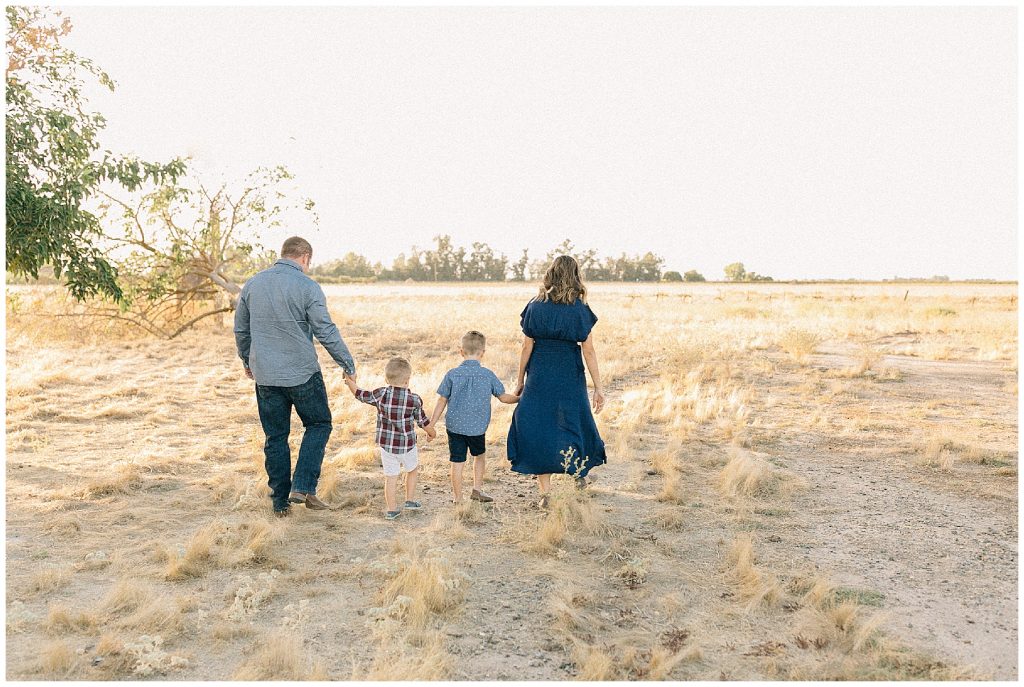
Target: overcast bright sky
804	142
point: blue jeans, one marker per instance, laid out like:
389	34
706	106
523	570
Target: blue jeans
275	407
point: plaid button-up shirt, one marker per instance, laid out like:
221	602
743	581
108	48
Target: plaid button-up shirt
398	412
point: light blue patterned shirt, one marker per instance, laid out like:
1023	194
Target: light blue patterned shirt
469	388
279	312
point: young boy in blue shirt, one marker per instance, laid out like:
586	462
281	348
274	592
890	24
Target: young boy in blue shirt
466	391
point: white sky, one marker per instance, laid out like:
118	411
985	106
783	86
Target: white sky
804	142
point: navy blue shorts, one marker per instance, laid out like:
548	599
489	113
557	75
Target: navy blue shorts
458	443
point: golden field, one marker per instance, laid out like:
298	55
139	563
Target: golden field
804	482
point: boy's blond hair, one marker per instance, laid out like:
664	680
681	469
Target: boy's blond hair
397	370
473	342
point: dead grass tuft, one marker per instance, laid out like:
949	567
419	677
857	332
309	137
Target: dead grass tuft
58	661
751	475
116	660
193	559
431	585
941	452
126	479
755	586
397	660
799	343
61	620
49	580
226	631
570	513
127	596
159	615
278	658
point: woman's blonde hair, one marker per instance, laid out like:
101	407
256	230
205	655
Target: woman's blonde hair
563	282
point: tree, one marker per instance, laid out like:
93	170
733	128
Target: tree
520	266
672	275
648	267
735	272
484	265
693	275
54	167
351	265
184	249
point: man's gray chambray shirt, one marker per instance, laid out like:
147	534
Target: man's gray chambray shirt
279	312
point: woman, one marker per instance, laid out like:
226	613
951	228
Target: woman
553	430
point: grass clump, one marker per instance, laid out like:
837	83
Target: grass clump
423	585
279	658
754	585
799	344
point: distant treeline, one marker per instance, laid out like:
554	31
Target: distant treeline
446	262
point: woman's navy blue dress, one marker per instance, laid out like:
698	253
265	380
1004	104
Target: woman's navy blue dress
553	413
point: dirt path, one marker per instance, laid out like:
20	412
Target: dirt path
941	547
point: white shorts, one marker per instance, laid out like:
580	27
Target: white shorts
394	462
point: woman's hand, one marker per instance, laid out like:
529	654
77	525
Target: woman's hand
519	389
598	400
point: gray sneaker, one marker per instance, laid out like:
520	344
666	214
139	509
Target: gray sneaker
392	514
412	505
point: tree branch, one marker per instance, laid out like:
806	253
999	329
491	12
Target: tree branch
197	319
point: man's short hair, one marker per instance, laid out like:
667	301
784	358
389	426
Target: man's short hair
296	247
473	342
397	370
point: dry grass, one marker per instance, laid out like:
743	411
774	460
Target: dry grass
279	657
602	652
396	661
124	479
689	372
116	660
799	344
942	452
61	620
57	661
159	615
570	514
430	584
751	475
195	556
49	580
755	586
127	596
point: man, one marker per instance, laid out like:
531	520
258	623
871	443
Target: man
279	312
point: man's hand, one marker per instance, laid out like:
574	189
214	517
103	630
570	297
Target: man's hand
248	373
431	432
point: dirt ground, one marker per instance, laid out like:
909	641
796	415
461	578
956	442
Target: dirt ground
803	483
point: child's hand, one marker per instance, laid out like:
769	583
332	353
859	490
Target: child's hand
431	432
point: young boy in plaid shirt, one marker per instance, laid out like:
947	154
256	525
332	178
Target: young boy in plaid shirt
399	411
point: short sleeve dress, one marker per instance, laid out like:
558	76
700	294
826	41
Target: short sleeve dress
553	429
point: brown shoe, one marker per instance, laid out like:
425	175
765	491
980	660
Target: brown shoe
478	495
313	503
297	497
